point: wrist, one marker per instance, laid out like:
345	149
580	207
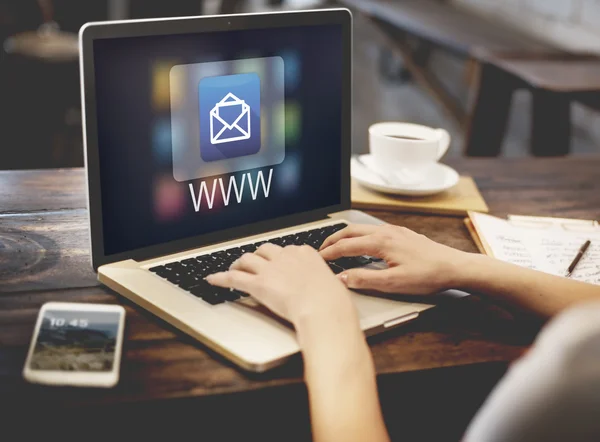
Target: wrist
317	311
333	352
323	327
467	270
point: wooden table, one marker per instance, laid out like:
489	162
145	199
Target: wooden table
555	81
439	24
440	367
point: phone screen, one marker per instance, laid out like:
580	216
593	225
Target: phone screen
76	340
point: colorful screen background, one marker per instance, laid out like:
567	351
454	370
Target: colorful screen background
142	204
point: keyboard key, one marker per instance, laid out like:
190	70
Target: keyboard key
175	266
314	243
302	236
213	299
189	273
234	253
187	283
201	287
230	295
288	240
220	268
216	260
190	270
203	260
208	293
200	270
352	262
335	268
330	230
173	278
220	294
362	260
205	273
299	241
161	271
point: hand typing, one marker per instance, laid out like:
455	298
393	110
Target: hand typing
294	282
417	265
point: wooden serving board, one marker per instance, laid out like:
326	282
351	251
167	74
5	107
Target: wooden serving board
459	200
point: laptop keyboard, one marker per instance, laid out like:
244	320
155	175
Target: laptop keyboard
189	273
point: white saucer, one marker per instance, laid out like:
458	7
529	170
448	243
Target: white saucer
437	178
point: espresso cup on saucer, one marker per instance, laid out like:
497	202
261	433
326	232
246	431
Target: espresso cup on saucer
404	152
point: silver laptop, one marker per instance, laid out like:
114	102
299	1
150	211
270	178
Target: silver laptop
206	137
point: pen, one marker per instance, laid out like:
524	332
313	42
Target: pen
580	254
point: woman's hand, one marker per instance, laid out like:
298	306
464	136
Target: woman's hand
417	265
297	284
294	282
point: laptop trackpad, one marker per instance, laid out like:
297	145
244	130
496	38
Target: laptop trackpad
372	310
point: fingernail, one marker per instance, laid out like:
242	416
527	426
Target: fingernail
343	277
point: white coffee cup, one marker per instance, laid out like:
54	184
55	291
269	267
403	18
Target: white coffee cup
404	152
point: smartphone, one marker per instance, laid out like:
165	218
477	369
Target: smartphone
76	344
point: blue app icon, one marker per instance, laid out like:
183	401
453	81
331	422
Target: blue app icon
229	116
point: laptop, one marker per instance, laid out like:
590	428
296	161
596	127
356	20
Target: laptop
206	137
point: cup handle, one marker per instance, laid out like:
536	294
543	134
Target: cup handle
444	143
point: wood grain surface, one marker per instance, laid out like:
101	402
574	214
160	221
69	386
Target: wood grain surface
450	27
44	257
457	201
42	190
559	75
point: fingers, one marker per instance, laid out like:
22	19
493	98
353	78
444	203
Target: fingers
249	262
365	245
268	251
366	279
352	231
235	279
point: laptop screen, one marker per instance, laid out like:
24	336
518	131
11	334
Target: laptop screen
203	132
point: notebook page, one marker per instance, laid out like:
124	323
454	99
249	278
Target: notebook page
550	250
506	242
562	249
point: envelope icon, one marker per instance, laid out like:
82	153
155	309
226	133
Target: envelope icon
231	128
230	120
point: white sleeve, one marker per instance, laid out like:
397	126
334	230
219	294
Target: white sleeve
553	392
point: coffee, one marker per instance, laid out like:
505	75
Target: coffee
404	151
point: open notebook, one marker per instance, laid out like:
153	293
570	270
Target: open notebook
545	244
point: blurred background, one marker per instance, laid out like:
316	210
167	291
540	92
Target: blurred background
40	113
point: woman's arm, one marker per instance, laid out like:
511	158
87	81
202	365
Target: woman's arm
340	377
538	292
298	285
418	265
